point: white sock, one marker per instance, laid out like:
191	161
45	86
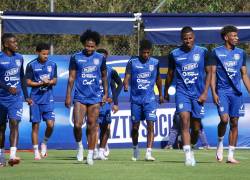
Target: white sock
80	145
45	140
101	149
149	150
12	152
187	150
1	152
231	152
220	142
36	150
90	153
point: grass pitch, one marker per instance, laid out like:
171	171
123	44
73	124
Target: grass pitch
169	164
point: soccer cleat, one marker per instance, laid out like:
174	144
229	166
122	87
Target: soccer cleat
44	150
219	154
190	161
37	157
136	154
89	160
168	147
106	151
101	156
95	155
232	161
14	161
79	155
2	161
149	157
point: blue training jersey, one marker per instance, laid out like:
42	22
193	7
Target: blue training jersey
36	72
88	76
143	78
11	71
189	67
229	63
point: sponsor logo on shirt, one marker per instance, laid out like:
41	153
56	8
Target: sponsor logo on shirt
151	67
236	56
230	64
181	58
88	82
82	60
49	68
89	69
11	72
18	62
38	69
139	67
4	62
144	75
196	57
96	61
88	76
189	67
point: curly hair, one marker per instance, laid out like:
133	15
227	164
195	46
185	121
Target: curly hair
227	29
90	35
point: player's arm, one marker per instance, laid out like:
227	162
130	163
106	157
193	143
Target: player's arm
72	77
4	86
116	87
203	96
170	75
127	75
53	81
104	80
244	74
29	76
159	84
24	86
213	77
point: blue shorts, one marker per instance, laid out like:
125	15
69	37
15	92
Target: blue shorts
186	103
11	110
46	111
105	114
231	104
140	112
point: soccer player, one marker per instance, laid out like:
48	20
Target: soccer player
41	76
189	62
142	72
228	70
12	83
104	120
87	69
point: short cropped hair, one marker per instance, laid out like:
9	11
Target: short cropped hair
42	46
90	35
227	29
186	29
7	36
145	44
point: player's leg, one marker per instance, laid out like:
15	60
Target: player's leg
136	116
104	135
95	155
3	121
2	141
223	110
35	118
149	111
233	136
48	116
203	138
79	112
173	132
106	150
93	114
35	131
195	129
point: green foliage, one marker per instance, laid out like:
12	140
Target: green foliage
117	45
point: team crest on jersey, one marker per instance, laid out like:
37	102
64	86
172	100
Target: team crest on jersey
18	62
49	68
151	67
196	57
96	61
236	56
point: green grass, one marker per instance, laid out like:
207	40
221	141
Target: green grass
169	164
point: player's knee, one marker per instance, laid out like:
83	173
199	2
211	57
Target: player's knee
78	126
233	124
